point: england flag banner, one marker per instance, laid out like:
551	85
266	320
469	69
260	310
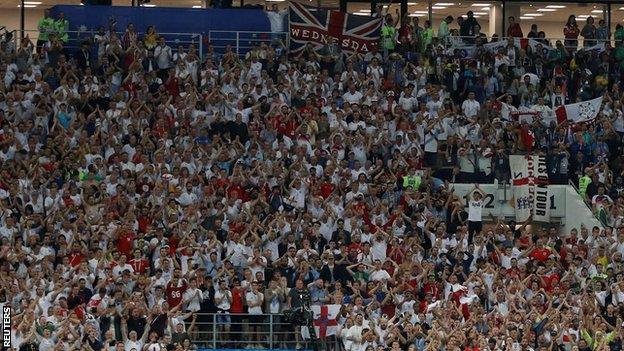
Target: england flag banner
352	33
579	112
325	321
530	187
520	181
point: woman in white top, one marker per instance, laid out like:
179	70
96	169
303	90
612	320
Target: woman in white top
475	209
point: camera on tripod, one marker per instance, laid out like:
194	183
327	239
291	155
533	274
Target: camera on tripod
299	316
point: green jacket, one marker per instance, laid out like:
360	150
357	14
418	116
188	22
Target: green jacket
61	27
443	30
46	25
619	55
619	34
425	38
594	342
411	181
583	183
388	37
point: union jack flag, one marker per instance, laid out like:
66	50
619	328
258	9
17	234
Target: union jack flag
352	33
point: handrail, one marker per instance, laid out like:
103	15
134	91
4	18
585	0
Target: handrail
459	41
75	36
214	329
241	41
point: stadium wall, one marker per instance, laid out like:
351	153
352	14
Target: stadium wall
166	19
566	206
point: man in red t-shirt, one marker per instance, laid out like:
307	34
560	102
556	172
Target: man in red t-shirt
541	253
237	308
138	263
125	240
175	289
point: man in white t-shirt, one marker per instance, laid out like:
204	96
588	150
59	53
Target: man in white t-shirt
223	300
475	209
352	96
255	300
471	107
379	274
193	296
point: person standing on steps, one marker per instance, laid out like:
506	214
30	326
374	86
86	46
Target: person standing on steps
475	209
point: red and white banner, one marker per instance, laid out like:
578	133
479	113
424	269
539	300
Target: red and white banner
520	181
579	112
325	321
529	176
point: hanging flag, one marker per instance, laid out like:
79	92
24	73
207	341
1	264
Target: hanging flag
579	112
530	183
520	182
352	33
541	209
325	321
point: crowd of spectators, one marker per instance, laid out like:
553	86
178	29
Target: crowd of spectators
144	185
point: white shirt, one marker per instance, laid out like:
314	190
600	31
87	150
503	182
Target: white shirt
470	108
195	296
352	97
225	297
379	275
163	56
254	298
277	20
136	345
474	210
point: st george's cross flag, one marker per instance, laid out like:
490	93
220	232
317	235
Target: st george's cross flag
579	112
325	321
352	33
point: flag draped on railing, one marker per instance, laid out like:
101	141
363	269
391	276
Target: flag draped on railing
468	51
325	321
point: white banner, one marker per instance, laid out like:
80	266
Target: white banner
541	210
519	166
468	51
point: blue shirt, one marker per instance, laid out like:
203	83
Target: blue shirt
64	119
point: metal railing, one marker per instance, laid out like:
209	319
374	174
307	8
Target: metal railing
243	41
453	41
76	38
242	330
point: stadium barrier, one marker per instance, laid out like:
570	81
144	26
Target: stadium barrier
264	331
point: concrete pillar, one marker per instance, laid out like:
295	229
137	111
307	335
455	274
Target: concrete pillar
496	19
512	9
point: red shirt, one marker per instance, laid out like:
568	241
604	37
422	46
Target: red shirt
140	265
144	222
326	190
75	258
173	86
174	294
124	243
237	301
540	254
